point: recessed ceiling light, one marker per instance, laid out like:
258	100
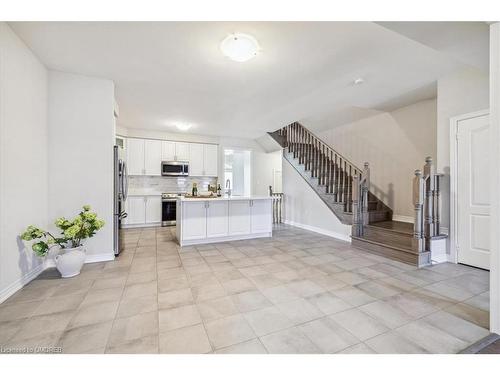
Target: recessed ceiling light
240	47
183	127
359	81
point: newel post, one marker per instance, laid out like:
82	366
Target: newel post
365	189
418	202
357	225
429	186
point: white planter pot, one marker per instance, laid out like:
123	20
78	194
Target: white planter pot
70	263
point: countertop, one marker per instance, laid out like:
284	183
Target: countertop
225	198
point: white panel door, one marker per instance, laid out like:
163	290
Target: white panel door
196	159
182	151
168	151
194	221
239	217
217	218
135	156
473	196
136	210
153	210
261	216
210	156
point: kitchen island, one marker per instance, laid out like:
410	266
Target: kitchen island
210	220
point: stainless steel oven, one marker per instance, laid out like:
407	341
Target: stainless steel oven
168	209
174	168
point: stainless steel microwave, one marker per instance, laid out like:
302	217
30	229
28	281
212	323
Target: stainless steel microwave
175	168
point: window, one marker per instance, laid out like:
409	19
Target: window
237	171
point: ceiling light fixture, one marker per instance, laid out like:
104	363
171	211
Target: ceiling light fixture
359	81
183	127
240	47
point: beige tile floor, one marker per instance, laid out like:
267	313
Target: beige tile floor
297	292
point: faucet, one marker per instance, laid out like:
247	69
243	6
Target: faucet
228	187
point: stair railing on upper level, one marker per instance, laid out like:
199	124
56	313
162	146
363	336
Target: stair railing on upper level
333	170
427	205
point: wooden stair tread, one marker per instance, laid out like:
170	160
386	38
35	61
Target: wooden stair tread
393	226
405	249
393	239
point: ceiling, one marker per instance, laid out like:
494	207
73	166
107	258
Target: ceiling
168	72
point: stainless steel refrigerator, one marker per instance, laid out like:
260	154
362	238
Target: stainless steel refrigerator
120	196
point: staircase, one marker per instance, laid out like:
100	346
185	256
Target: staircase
345	190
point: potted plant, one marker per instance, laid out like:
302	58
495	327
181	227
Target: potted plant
69	263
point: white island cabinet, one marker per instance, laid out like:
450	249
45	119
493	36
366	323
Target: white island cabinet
209	220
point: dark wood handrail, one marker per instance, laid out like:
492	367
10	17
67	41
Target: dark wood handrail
304	134
333	171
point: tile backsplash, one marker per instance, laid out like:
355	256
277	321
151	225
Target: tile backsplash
170	184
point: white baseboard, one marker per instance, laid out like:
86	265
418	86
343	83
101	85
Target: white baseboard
328	233
224	239
18	284
94	258
150	225
404	219
47	263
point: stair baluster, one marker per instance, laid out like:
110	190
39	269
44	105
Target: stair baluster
328	167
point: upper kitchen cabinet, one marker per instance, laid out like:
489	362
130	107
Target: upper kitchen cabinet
135	156
168	151
152	157
175	151
144	157
203	159
210	160
182	151
196	159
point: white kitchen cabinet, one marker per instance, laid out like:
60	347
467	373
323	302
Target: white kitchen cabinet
136	212
203	159
182	151
168	151
153	210
210	160
261	220
143	210
152	157
135	156
196	156
239	217
195	220
217	218
175	151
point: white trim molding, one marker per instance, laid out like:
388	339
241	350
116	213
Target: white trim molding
18	284
494	154
104	257
46	264
454	121
328	233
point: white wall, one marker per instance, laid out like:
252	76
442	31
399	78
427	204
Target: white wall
464	91
23	158
304	208
81	139
395	144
